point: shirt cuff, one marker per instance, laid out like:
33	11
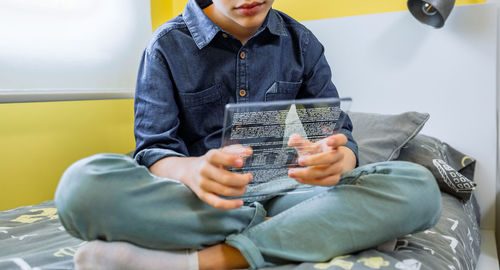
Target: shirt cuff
148	157
351	144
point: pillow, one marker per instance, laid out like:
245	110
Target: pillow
453	170
380	136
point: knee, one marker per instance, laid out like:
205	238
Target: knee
423	195
81	189
429	202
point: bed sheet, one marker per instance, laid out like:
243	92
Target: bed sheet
33	238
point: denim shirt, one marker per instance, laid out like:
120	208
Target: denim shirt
191	68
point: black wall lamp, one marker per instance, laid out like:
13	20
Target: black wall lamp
431	12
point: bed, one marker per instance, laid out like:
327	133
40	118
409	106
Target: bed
461	153
37	241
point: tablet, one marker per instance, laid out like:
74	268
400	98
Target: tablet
266	127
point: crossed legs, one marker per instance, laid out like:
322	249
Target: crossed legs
110	197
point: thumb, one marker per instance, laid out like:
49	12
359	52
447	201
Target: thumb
336	140
303	146
238	150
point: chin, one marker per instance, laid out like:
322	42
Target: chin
251	22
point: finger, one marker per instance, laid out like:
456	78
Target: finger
303	146
315	171
297	140
328	181
336	140
225	177
220	203
217	158
325	158
219	189
238	150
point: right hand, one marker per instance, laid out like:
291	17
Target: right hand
209	177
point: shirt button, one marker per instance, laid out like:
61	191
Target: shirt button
224	35
243	92
243	55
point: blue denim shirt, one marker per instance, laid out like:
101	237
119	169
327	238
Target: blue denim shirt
191	68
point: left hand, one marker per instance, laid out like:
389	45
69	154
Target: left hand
323	162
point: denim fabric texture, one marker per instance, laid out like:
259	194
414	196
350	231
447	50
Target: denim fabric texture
191	68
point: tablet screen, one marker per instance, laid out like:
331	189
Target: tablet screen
267	127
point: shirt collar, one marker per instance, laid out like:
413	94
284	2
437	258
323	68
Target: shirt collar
203	29
274	23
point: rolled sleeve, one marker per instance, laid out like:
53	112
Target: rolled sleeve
150	156
351	144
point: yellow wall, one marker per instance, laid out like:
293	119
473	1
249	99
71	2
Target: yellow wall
310	9
161	11
38	141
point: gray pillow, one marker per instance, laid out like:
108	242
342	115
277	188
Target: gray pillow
453	170
381	136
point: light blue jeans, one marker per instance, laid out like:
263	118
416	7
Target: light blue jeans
111	197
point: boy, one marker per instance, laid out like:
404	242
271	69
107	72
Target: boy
217	53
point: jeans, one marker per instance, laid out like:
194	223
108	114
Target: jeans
111	197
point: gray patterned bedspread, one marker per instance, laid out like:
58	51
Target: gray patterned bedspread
33	238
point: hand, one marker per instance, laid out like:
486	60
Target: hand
209	177
323	162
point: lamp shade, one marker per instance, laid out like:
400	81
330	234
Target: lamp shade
431	12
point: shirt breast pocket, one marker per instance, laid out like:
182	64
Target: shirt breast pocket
203	110
202	99
283	91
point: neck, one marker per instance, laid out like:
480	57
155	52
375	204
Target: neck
243	34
